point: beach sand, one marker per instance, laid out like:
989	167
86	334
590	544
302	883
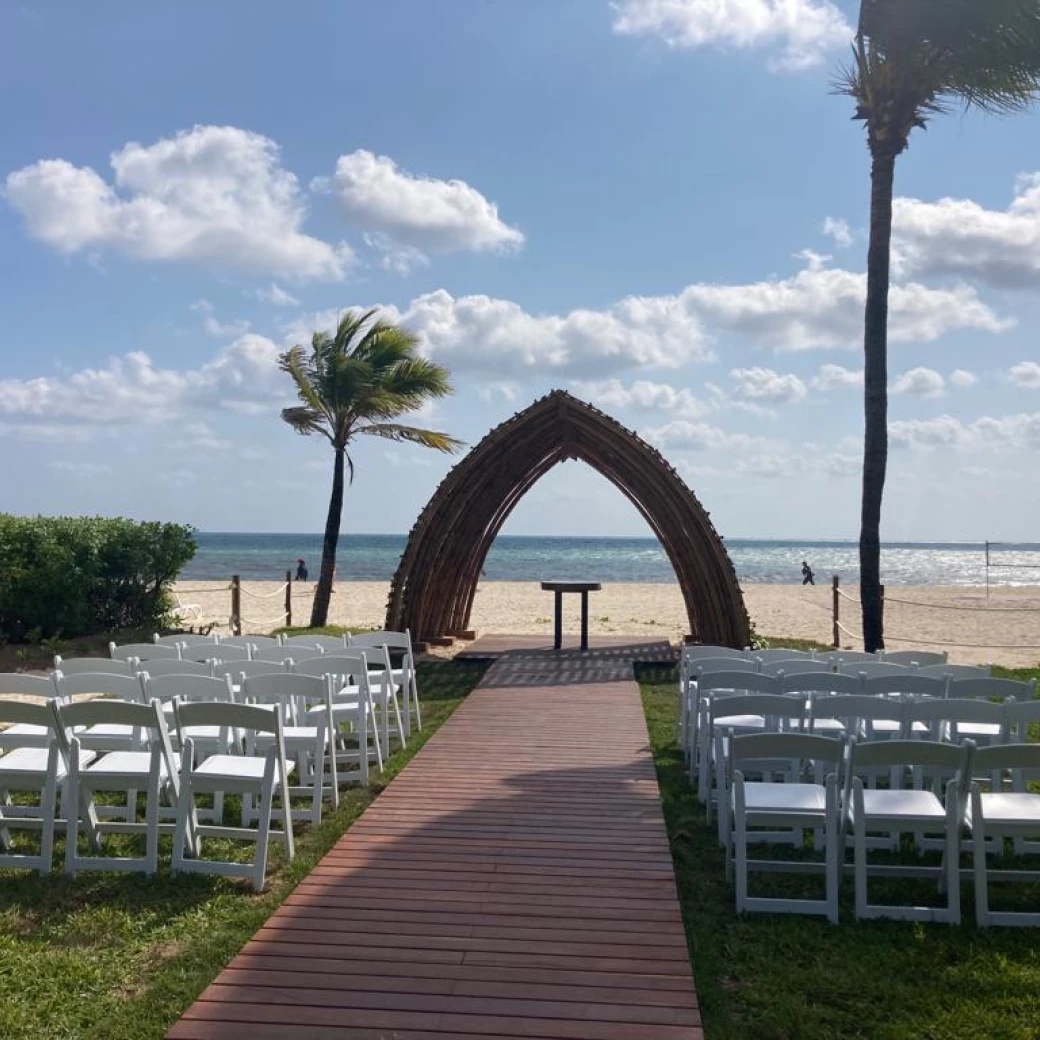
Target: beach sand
1003	630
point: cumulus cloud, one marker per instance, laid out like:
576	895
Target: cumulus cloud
763	384
962	378
1025	375
243	377
959	237
408	216
82	470
921	382
797	33
644	396
839	230
214	327
835	377
276	296
1013	432
684	435
822	308
213	195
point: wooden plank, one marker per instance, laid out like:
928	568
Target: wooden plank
513	883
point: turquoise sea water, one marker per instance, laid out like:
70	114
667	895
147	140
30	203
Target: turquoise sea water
514	558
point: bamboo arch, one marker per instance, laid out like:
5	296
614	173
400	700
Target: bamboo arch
432	592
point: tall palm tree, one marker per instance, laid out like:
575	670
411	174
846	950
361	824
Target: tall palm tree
359	381
913	59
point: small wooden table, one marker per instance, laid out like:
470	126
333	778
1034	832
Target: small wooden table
559	588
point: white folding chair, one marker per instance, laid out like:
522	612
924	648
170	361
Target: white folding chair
352	706
258	776
953	719
308	737
383	689
991	689
689	693
254	641
101	685
144	651
37	768
321	644
92	665
1007	810
175	667
222	652
793	805
955	671
807	686
903	809
279	653
27	734
398	644
185	639
780	654
839	658
874	669
920	658
797	666
149	766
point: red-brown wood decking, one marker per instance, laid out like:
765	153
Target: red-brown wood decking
513	882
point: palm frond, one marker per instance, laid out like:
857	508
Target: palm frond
412	435
306	421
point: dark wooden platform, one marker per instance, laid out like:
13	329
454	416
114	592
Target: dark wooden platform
514	881
631	648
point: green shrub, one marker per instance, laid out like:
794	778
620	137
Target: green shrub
73	576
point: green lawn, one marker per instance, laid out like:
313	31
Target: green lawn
780	977
118	957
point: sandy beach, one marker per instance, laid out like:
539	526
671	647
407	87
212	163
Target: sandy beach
1004	630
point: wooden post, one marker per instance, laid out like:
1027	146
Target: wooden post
836	598
288	599
236	605
882	611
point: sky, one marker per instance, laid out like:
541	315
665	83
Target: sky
657	205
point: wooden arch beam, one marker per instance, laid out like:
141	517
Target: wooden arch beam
432	592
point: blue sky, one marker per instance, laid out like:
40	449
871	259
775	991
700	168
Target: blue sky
656	204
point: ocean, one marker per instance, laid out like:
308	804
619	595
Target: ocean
514	558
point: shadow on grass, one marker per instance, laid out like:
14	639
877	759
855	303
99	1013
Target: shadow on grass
777	977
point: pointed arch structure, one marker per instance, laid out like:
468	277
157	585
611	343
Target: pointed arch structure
432	592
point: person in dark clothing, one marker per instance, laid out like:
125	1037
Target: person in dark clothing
301	570
807	574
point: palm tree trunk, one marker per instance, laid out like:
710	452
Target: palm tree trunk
875	397
323	593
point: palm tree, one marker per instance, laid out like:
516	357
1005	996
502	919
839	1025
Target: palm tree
913	59
359	381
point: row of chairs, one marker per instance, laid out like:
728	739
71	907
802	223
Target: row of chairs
828	785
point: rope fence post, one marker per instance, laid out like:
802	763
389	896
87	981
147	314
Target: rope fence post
288	599
836	598
236	605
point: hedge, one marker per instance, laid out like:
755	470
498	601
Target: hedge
76	576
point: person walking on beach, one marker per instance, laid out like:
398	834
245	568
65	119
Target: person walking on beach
301	570
807	574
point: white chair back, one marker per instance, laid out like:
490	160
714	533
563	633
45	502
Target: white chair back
185	667
183	639
144	651
797	666
920	658
991	689
93	665
22	684
99	684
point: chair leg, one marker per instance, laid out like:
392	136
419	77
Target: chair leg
740	848
833	866
982	919
263	832
48	808
72	812
859	854
151	857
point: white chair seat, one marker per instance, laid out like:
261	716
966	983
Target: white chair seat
204	732
238	767
31	760
1010	807
978	729
124	763
108	731
902	803
887	725
767	795
740	722
27	729
824	726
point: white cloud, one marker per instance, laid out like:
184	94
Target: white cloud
835	464
83	470
276	296
1009	432
921	382
835	377
393	256
1025	375
959	237
799	32
697	436
242	377
424	213
822	308
213	195
771	465
215	328
644	396
839	230
763	384
962	378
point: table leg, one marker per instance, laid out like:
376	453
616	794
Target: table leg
584	620
558	623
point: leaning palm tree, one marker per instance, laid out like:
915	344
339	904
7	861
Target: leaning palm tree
913	59
359	381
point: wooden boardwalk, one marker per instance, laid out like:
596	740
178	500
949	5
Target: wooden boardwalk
514	881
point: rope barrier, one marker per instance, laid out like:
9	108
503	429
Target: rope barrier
266	621
218	588
965	646
951	606
263	595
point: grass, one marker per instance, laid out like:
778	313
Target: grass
117	957
786	977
